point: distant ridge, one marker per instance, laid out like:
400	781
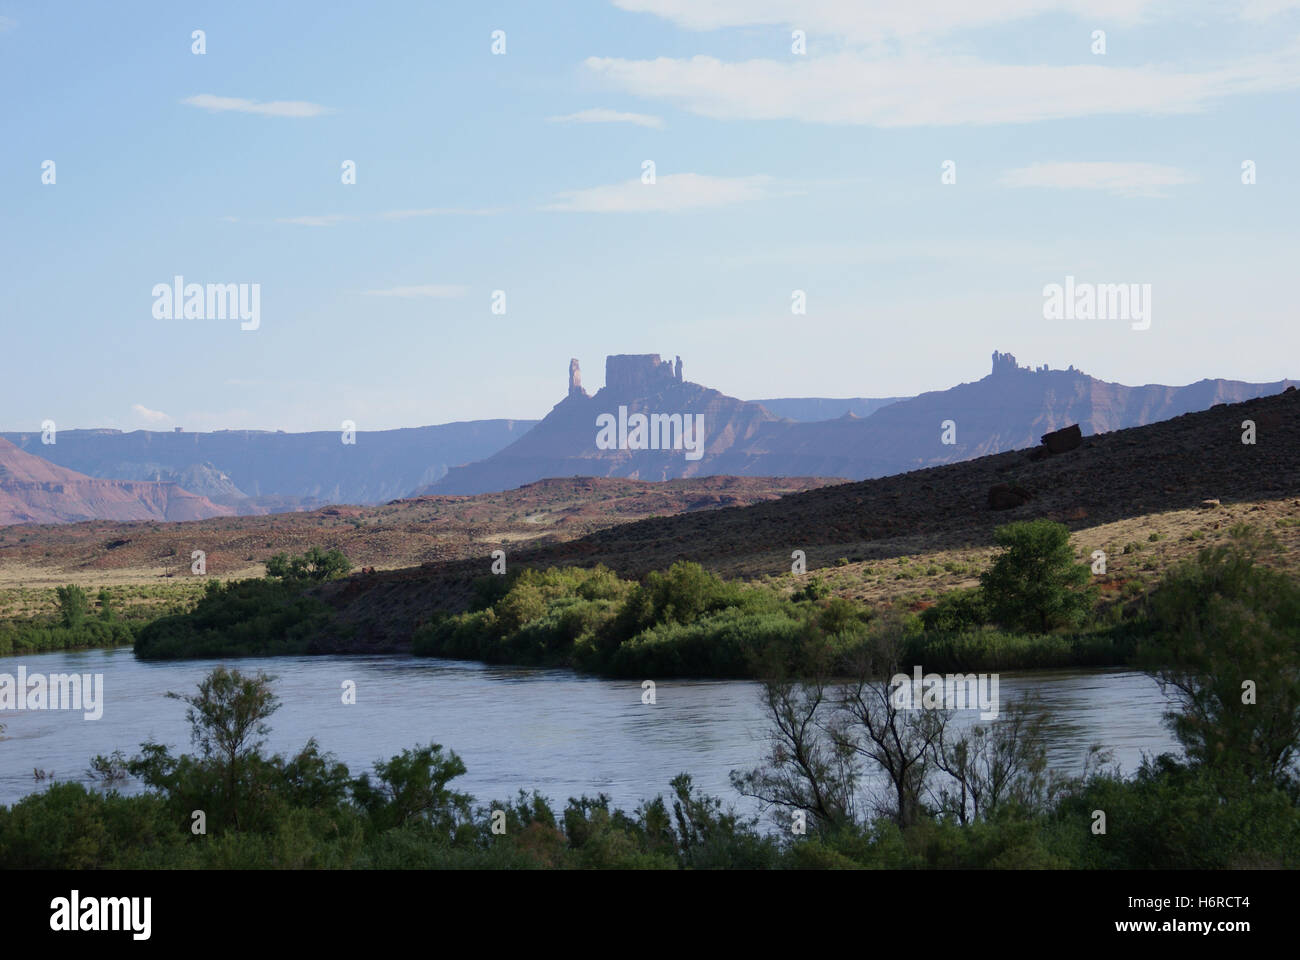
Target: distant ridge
809	409
33	490
261	471
1009	408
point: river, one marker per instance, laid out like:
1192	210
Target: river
561	733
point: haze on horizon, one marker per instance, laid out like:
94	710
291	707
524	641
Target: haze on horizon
521	172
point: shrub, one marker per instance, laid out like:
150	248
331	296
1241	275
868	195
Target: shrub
956	610
315	564
1035	583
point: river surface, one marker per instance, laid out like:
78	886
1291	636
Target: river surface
561	733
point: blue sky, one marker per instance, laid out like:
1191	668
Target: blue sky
521	172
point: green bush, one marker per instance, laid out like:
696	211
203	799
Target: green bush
1035	585
315	564
956	610
243	618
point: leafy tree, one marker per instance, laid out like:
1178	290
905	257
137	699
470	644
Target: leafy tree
315	564
106	612
412	791
227	719
1035	583
1226	631
73	605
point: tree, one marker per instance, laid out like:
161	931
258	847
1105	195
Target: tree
412	790
994	764
228	719
871	725
315	564
106	606
804	769
73	605
1035	583
1226	630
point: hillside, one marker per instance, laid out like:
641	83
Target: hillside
1168	467
33	490
403	533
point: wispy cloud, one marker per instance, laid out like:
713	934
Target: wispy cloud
669	194
927	89
272	108
437	212
1123	179
865	23
144	413
331	219
600	115
430	291
328	220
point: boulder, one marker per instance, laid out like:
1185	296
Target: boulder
1060	441
1007	496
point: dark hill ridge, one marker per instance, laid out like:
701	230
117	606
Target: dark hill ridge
1173	464
1009	408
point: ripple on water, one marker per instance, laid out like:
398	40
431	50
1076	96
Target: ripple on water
551	730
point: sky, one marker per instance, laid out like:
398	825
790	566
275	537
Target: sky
780	165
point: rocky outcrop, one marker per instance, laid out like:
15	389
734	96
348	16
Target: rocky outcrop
1008	496
575	379
1064	440
638	374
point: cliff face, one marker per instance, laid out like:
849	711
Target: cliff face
33	490
1009	409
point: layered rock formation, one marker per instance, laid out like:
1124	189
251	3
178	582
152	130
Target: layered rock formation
1009	409
33	490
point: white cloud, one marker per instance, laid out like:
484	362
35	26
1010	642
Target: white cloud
7	23
930	90
273	108
1124	179
864	22
669	194
436	212
599	115
144	413
434	291
1265	9
328	220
